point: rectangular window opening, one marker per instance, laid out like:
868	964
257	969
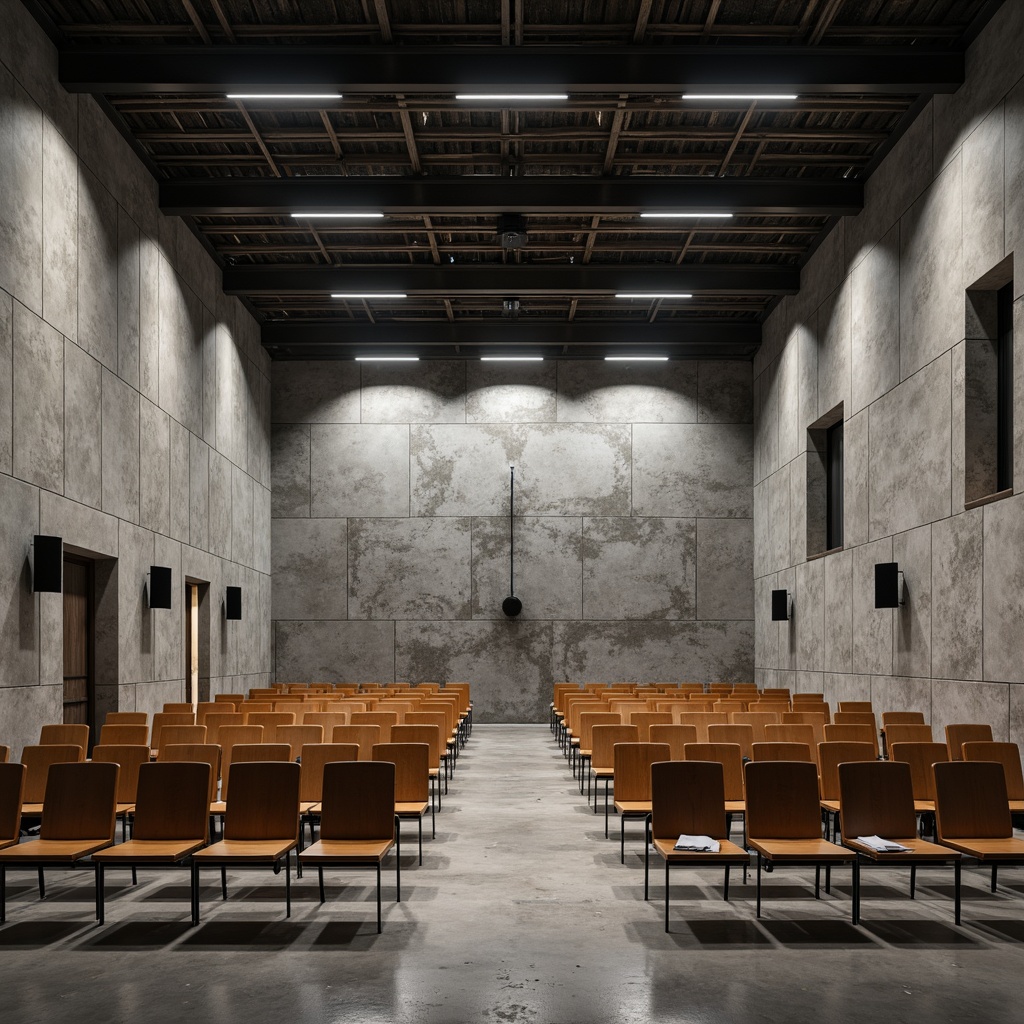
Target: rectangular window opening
834	487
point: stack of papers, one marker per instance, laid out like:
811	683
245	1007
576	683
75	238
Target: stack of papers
880	845
697	844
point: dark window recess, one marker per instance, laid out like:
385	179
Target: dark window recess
1004	388
834	487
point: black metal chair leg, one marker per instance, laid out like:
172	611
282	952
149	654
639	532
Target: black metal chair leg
913	880
3	894
995	876
758	884
398	863
856	890
817	881
98	869
135	875
726	883
195	894
379	927
828	878
956	890
666	894
42	885
223	882
288	884
321	872
420	837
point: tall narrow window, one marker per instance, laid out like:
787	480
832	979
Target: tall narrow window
1004	388
834	486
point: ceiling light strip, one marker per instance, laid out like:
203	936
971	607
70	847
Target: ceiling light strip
357	296
387	359
517	97
739	96
364	215
284	96
651	296
636	359
680	215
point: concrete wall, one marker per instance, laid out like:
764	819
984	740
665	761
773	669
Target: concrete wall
880	325
134	407
633	528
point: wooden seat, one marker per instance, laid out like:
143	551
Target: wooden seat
877	798
182	734
385	720
701	719
162	718
844	733
231	736
855	706
271	721
587	721
602	762
741	735
255	707
757	720
311	780
902	718
412	782
958	735
730	757
775	750
298	736
135	735
200	753
784	820
1008	755
358	825
261	829
12	791
216	721
643	720
814	719
972	814
170	819
204	708
127	718
916	733
363	735
831	754
246	753
181	708
129	757
921	757
61	735
78	819
632	763
687	798
442	720
327	720
228	698
37	761
792	732
802	705
431	735
676	736
5	753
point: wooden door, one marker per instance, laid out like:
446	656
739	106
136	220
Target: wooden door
78	681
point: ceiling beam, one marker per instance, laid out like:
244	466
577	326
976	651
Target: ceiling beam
493	194
514	279
579	69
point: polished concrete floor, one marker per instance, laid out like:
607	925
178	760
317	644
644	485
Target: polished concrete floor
521	912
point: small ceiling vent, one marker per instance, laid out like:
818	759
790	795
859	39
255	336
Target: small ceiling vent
512	230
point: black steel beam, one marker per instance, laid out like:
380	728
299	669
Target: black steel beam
378	70
514	279
240	197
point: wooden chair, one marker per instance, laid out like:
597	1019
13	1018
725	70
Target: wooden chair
228	698
78	819
412	782
814	719
784	821
757	720
271	722
170	820
327	720
181	708
231	736
810	707
741	735
204	708
255	707
61	735
972	815
162	718
182	734
1008	755
855	706
602	761
246	753
795	733
431	735
878	800
632	763
643	720
921	757
127	718
5	753
917	733
442	721
588	720
687	798
116	735
730	757
298	736
855	718
958	735
891	718
311	780
701	719
676	736
851	734
12	791
37	761
215	722
363	735
386	720
358	825
129	757
261	829
775	750
831	754
200	753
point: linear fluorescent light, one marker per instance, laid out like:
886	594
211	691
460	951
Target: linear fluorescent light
653	295
679	216
387	359
636	359
284	95
512	96
338	216
367	295
739	96
511	359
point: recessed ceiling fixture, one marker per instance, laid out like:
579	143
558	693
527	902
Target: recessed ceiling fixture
387	359
284	95
739	96
679	216
512	96
653	295
636	359
367	295
511	359
369	214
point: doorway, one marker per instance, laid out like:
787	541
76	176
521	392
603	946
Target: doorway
79	658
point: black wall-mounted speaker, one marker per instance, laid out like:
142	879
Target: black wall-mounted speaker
233	603
47	564
887	585
159	586
780	605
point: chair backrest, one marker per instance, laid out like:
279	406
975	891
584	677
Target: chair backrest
742	735
902	718
59	735
920	757
183	734
817	707
162	718
687	798
364	735
855	705
643	720
297	736
386	720
676	736
777	750
326	719
851	734
606	737
412	768
701	719
264	801
314	757
971	801
958	735
255	707
173	801
1006	754
757	720
215	722
429	734
127	718
228	698
246	753
5	753
12	791
130	757
207	707
877	799
181	708
833	753
271	721
855	718
632	763
80	801
729	756
910	733
814	719
438	706
794	733
201	753
236	735
358	801
782	800
438	718
133	734
591	718
37	761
